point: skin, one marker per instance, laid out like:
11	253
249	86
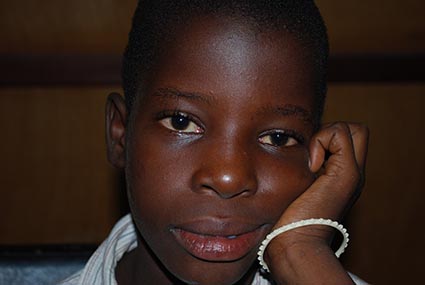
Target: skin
237	89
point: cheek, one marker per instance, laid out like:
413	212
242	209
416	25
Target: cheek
156	177
283	180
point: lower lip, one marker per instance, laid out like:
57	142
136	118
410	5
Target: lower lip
217	248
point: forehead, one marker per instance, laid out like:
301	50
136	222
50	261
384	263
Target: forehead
224	56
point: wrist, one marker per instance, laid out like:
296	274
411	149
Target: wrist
293	248
299	252
311	231
306	263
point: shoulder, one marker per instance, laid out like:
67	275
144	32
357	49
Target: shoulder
357	280
72	280
100	268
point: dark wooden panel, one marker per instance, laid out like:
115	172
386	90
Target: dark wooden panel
69	70
377	68
375	26
81	26
386	237
55	182
59	70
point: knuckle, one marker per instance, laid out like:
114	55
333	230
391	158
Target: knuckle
359	128
341	127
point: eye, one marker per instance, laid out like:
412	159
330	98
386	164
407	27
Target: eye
181	123
280	139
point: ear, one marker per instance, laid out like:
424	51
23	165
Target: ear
116	118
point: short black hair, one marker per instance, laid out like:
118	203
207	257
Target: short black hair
154	20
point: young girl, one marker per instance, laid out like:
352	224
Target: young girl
221	141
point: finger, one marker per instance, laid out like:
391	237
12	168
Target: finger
334	191
347	145
336	140
360	137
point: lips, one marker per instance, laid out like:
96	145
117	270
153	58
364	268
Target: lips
216	240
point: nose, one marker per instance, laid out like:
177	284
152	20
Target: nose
227	171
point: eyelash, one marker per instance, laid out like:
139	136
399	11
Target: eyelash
287	135
166	119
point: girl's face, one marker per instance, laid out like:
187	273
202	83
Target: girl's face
219	147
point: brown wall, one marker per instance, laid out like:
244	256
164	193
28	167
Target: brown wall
386	234
101	26
55	183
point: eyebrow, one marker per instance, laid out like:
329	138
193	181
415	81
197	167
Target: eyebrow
289	110
174	93
286	110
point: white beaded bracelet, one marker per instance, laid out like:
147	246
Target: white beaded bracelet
299	224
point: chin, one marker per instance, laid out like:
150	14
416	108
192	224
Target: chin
216	273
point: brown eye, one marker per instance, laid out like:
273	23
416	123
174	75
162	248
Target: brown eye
278	139
181	123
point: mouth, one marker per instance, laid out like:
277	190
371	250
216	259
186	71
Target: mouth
218	241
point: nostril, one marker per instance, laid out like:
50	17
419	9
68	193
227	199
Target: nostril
226	182
207	187
224	192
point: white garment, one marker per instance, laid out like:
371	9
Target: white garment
100	268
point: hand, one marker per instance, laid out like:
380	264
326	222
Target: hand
340	176
337	155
